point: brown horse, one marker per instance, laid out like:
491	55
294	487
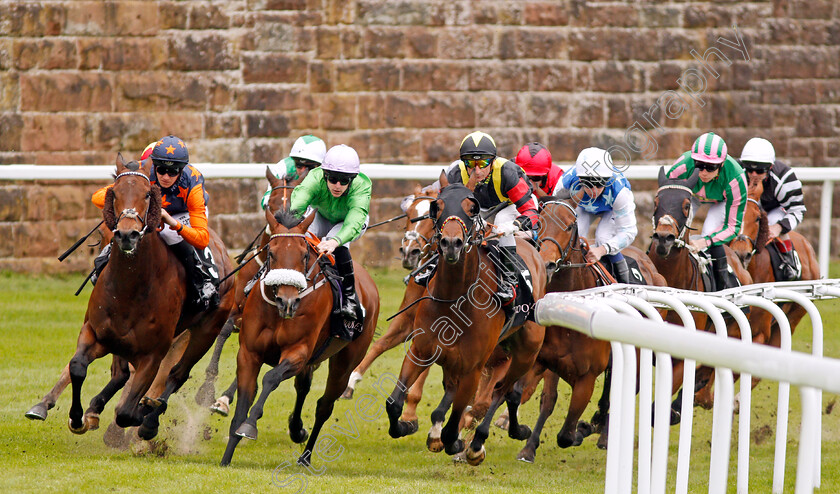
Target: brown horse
670	254
286	324
137	308
750	248
570	355
279	199
452	302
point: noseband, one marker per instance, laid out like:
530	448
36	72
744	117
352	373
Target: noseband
683	231
132	213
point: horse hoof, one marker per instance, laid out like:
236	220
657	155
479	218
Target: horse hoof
563	441
503	422
521	433
584	429
409	427
435	445
526	455
347	394
578	439
147	433
92	421
205	394
675	417
247	431
299	436
603	441
77	430
475	458
222	406
455	447
38	412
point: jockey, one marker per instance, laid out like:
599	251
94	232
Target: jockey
603	192
782	197
341	196
723	184
307	153
499	181
535	161
184	216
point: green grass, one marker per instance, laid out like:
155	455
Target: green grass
39	322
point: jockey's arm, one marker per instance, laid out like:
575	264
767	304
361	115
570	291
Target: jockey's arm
788	193
736	203
354	222
624	212
303	193
196	234
98	198
517	188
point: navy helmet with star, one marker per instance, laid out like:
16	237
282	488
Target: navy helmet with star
171	151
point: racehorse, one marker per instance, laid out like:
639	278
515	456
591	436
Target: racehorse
286	324
136	308
669	251
750	248
439	337
278	199
573	356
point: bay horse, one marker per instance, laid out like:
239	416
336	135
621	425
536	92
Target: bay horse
567	354
669	251
286	324
136	309
750	247
459	332
278	199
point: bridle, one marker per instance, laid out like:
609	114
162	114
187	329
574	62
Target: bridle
742	237
683	231
132	213
280	277
413	235
562	262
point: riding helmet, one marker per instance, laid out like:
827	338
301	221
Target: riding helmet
171	151
709	148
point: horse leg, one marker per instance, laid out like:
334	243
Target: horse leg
396	333
703	389
415	393
433	441
582	389
130	411
247	370
39	411
529	386
600	417
409	374
303	382
87	350
222	405
463	394
284	370
206	392
484	395
547	401
119	376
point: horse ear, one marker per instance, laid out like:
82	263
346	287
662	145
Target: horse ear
120	162
434	209
663	178
146	166
444	181
304	225
270	219
418	190
691	181
272	179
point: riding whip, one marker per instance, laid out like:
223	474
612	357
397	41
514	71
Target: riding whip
78	243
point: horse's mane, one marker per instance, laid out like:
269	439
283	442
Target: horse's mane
287	218
763	231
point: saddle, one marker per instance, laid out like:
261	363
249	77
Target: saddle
636	277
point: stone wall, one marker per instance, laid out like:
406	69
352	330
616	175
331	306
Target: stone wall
402	81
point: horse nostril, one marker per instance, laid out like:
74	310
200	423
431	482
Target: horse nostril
134	235
402	251
458	243
414	252
444	243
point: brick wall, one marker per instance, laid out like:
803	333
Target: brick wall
402	81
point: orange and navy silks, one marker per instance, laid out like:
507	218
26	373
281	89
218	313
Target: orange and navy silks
506	182
187	194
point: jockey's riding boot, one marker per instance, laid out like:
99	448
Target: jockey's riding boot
350	308
200	280
100	262
723	278
507	280
788	268
621	271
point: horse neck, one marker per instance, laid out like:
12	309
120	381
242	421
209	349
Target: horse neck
452	280
678	269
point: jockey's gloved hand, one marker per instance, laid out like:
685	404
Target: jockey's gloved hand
523	223
507	229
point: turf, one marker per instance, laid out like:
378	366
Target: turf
39	322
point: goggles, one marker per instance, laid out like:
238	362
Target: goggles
338	178
167	168
754	167
593	182
707	167
477	161
303	162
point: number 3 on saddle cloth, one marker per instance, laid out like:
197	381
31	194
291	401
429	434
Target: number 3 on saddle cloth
516	312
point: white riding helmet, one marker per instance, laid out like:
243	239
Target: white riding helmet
758	150
341	159
594	162
309	147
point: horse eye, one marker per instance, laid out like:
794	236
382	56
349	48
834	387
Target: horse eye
148	194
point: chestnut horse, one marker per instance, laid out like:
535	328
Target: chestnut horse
286	324
750	248
459	336
670	254
136	309
573	356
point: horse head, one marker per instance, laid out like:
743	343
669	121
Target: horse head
558	231
453	213
288	260
132	206
754	227
416	241
281	191
672	211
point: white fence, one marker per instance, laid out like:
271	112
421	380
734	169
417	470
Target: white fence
612	313
414	172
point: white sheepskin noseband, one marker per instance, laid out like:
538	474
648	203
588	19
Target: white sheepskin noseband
285	277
